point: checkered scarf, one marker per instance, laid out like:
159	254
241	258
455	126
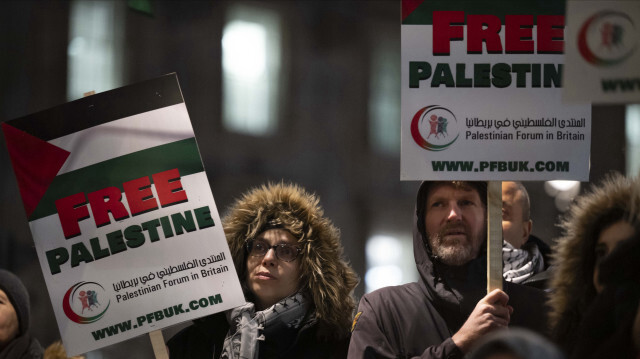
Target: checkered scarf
520	264
248	327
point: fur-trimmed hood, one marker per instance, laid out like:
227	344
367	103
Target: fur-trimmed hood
573	259
327	278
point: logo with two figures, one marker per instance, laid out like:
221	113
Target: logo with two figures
434	128
84	303
607	38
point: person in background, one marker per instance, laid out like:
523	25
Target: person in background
448	310
15	341
596	285
298	287
515	344
524	255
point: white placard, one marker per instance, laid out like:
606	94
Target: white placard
122	214
478	107
603	49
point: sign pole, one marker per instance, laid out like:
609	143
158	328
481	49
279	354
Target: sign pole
494	235
157	340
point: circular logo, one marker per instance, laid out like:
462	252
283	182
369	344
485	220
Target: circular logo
434	128
84	303
607	38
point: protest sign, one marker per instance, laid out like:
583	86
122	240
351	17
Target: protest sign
603	49
481	94
122	215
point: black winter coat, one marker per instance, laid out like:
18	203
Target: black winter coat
22	347
205	338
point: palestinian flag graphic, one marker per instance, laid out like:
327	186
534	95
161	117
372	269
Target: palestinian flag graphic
122	215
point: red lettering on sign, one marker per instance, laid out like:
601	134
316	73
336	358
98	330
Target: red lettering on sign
518	33
72	210
169	187
550	34
104	201
444	31
477	33
139	195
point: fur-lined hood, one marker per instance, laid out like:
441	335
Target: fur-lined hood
574	256
328	279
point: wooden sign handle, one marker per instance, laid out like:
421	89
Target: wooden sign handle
157	341
494	235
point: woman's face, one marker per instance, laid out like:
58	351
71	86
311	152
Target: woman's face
607	241
271	279
8	320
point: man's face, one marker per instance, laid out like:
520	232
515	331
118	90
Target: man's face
515	229
455	222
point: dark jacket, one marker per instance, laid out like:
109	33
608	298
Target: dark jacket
544	249
540	280
204	339
22	347
419	319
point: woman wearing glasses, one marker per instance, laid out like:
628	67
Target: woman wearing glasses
298	288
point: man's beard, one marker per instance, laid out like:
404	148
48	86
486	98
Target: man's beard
454	251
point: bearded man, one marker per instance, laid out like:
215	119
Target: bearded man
447	311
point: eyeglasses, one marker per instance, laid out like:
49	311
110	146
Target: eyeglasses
284	252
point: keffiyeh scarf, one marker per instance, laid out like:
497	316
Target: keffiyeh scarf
248	327
520	264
